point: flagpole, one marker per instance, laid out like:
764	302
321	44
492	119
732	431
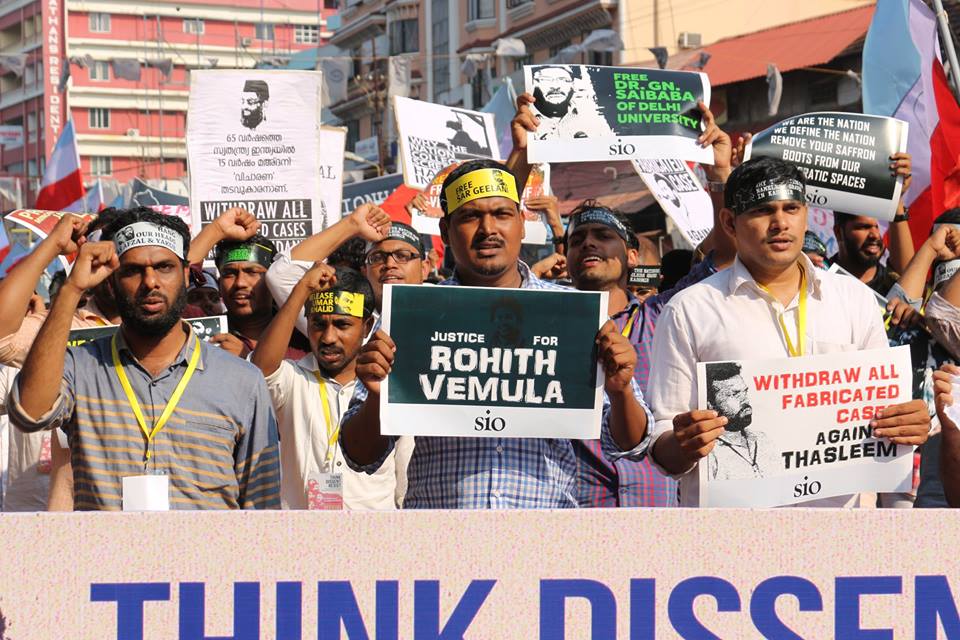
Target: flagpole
947	37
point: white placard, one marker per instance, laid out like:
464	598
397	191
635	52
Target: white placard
253	140
434	136
146	493
677	189
799	428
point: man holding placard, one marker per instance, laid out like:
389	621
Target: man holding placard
483	227
771	301
150	423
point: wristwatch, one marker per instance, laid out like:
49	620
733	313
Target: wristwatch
902	217
557	240
714	186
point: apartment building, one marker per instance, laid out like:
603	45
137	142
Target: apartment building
129	68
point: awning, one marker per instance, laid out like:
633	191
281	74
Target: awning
613	184
808	43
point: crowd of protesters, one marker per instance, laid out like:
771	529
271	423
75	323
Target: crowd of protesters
289	399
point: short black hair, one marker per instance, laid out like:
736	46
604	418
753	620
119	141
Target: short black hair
950	216
840	218
718	372
351	254
104	218
352	281
125	217
753	172
674	265
467	167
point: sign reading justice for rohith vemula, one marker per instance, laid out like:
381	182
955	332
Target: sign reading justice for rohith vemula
589	113
799	428
844	156
490	362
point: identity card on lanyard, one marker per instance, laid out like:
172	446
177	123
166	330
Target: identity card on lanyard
325	489
150	492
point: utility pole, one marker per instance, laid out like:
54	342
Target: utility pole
947	37
656	23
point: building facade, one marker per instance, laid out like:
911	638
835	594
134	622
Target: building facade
129	71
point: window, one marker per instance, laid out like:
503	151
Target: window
99	118
824	93
513	4
101	165
100	70
602	58
29	75
306	34
479	10
353	133
39	72
331	4
557	48
404	36
519	63
441	44
193	25
264	31
100	22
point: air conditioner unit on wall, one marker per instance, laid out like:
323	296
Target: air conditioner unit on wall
246	42
133	132
688	40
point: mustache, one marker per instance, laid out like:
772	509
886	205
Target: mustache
150	296
490	241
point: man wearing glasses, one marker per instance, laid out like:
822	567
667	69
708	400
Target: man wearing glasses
394	254
564	106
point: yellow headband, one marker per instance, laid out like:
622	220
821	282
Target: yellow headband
336	302
482	183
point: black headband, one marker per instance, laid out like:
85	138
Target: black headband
402	232
599	216
770	190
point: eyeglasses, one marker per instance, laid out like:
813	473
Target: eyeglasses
401	256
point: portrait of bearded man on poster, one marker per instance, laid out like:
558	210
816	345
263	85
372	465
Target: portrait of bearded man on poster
253	100
744	451
565	105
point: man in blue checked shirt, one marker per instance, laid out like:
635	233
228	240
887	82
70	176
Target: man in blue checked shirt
484	232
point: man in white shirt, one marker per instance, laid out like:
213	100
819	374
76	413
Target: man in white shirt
311	394
733	315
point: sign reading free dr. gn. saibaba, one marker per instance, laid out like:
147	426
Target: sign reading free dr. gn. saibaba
490	362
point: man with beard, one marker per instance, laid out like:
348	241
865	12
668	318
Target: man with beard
741	452
484	227
394	254
311	394
670	201
562	113
146	411
255	94
860	243
771	302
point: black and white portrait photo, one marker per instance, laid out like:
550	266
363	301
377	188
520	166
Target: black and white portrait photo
253	101
467	135
506	316
743	451
670	201
566	104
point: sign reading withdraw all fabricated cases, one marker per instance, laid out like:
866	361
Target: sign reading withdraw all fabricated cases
508	363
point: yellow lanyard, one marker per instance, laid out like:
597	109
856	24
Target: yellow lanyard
801	320
626	329
171	403
333	430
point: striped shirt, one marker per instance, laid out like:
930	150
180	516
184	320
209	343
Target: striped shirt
218	449
498	473
629	483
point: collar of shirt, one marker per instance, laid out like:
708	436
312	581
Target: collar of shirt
740	276
309	363
90	311
182	359
632	304
527	279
